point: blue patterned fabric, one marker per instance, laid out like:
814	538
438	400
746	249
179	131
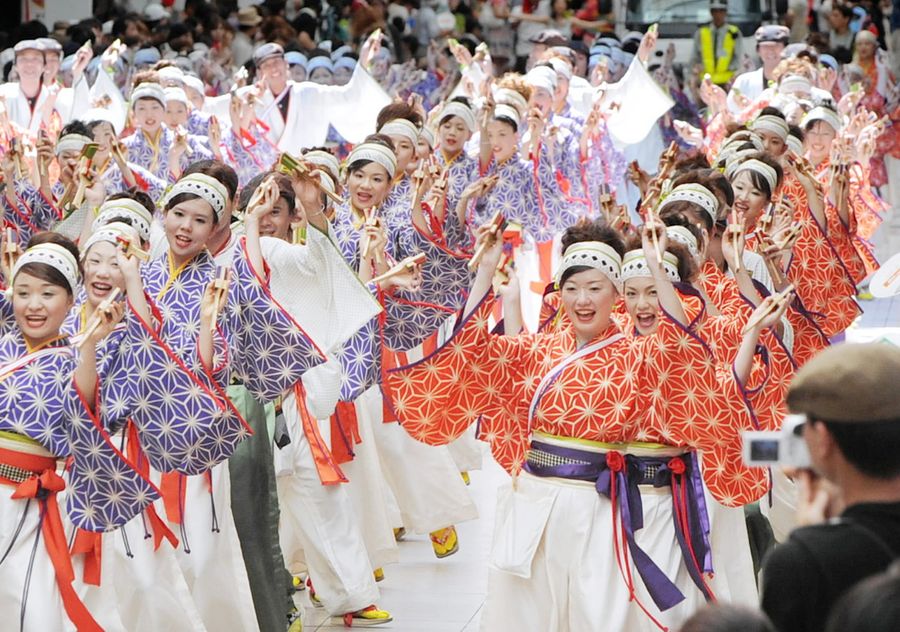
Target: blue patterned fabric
156	158
32	214
39	400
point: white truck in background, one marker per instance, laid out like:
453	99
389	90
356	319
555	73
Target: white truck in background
679	19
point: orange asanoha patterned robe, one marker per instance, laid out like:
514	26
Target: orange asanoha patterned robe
663	388
822	282
864	216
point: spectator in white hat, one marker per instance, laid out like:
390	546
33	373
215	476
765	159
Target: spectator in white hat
771	39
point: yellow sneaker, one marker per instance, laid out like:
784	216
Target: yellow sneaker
465	477
379	574
296	625
444	542
399	533
367	617
313	597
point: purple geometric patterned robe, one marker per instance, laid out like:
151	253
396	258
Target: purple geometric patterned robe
32	214
38	399
155	159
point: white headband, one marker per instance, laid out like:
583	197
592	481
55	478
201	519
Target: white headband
506	96
562	68
427	134
823	114
593	254
455	108
695	194
795	144
148	91
195	83
203	185
684	237
771	123
324	159
178	95
171	72
377	153
401	127
54	256
508	112
140	217
319	62
736	160
635	266
110	233
762	169
542	77
72	142
793	84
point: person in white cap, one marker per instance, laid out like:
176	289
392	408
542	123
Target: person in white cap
29	104
299	114
52	58
771	39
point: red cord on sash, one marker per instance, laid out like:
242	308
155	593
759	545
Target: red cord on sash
44	487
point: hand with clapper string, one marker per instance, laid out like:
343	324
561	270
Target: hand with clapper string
107	312
306	172
11	253
494	231
73	194
214	299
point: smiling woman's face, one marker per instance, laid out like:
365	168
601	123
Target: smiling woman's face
588	299
748	199
39	307
368	186
642	304
101	272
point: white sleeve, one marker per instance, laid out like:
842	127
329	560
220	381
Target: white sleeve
316	286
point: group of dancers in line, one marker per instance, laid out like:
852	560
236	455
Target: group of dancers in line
223	357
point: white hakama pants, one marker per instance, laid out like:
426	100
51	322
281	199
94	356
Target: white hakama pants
214	568
367	488
142	588
553	564
321	521
26	572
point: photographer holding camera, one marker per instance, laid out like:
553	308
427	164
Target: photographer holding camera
851	497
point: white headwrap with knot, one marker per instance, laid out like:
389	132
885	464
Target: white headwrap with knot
204	186
593	254
54	256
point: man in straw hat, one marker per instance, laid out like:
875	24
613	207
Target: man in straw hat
849	396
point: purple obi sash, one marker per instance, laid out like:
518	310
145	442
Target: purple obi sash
617	476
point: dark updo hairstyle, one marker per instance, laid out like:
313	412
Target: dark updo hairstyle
218	170
76	127
46	272
772	111
691	162
225	174
378	139
713	180
759	182
590	230
687	265
462	100
398	110
138	196
285	190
